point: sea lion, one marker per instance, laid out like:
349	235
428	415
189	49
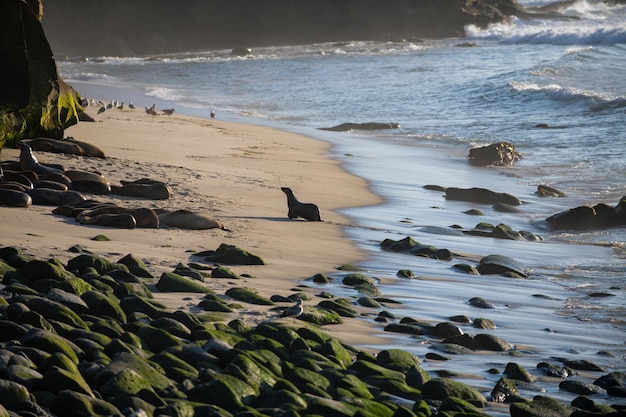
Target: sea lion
51	185
121	220
144	188
18	177
144	217
28	162
55	146
308	211
58	177
89	148
15	198
92	187
186	219
47	197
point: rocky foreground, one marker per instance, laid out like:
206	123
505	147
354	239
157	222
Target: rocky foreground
88	339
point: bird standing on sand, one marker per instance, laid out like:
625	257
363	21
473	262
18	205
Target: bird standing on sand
294	311
131	105
101	109
212	114
169	112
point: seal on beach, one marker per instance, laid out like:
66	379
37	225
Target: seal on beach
28	162
49	197
15	198
121	220
144	188
294	311
186	219
308	211
144	217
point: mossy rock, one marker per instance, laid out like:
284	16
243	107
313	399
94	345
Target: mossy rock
11	331
102	305
84	261
540	406
248	295
442	388
42	270
416	377
257	376
179	409
397	359
12	394
51	343
125	289
282	334
58	379
355	279
137	304
75	404
223	272
363	368
368	290
367	301
76	286
312	334
232	255
300	376
156	339
320	317
333	349
328	407
453	406
127	382
135	266
4	268
517	371
348	385
171	282
150	373
400	389
174	367
340	305
224	391
267	359
321	278
24	375
283	399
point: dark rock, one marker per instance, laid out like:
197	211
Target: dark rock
614	379
547	191
75	404
357	279
491	342
12	394
540	407
584	217
499	264
553	370
171	282
583	365
442	388
481	303
480	195
231	255
482	323
505	391
516	371
247	295
496	154
580	387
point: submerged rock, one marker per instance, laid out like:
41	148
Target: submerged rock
496	154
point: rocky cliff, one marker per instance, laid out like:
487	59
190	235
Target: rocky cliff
140	27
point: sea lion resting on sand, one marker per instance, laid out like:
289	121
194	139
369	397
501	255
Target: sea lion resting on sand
144	188
14	198
144	217
120	220
308	211
186	219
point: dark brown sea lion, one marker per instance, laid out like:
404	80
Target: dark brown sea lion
16	177
144	217
28	162
55	146
14	198
308	211
121	220
144	188
90	149
58	177
92	187
52	185
47	197
186	219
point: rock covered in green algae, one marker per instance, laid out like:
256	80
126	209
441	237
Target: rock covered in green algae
231	255
171	282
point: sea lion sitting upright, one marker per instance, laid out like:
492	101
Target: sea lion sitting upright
28	162
308	211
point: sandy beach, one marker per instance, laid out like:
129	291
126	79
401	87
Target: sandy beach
231	172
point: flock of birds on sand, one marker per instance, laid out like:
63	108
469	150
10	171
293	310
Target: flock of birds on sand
115	104
119	105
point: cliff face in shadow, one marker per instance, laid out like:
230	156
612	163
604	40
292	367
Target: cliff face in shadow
140	27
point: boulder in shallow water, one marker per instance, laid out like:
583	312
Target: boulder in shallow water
496	154
481	195
500	264
584	217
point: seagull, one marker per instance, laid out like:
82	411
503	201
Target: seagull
169	112
212	114
130	105
294	311
101	109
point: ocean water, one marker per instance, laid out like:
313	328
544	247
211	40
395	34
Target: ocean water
495	84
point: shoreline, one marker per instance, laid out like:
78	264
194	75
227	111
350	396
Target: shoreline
231	171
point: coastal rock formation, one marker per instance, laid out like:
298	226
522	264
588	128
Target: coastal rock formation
584	217
36	101
347	127
496	154
118	27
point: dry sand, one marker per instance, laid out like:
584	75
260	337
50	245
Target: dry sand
232	172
